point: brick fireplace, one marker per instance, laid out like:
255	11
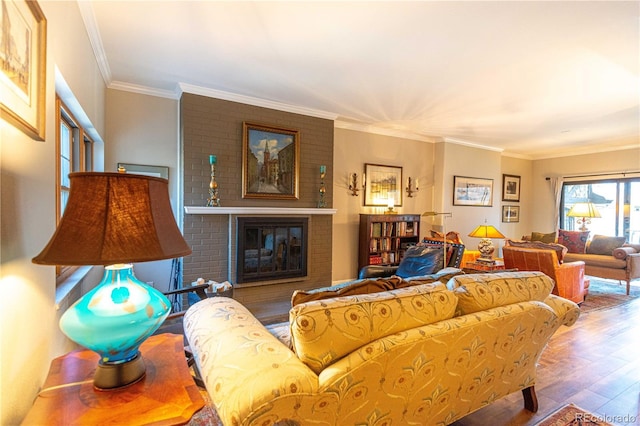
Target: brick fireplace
214	126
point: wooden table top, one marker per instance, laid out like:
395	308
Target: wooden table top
167	395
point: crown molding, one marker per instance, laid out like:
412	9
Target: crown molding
144	90
249	100
89	18
368	128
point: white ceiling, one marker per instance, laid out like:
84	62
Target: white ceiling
532	79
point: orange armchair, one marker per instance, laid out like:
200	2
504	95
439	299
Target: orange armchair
568	276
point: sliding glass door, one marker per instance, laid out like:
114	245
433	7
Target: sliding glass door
615	201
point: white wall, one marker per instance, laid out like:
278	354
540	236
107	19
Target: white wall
143	129
29	333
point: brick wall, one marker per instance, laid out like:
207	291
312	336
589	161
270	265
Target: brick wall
214	126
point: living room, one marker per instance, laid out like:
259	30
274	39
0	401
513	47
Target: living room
134	127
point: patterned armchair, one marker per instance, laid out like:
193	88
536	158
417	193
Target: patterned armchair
424	354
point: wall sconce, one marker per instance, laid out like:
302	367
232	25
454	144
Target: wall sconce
410	191
353	183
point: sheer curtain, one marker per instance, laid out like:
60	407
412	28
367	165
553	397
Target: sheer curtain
556	187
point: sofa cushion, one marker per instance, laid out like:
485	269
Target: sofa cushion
602	244
350	288
324	331
478	292
598	260
574	241
559	248
545	238
420	259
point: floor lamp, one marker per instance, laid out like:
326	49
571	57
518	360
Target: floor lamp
444	231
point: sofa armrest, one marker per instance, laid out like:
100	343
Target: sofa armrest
242	363
633	265
566	310
376	271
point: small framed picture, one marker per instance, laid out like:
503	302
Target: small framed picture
510	188
511	213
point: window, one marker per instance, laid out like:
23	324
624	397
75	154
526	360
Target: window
617	201
74	154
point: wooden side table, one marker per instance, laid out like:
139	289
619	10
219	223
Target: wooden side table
167	395
479	266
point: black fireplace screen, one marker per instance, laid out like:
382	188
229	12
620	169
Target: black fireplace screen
271	248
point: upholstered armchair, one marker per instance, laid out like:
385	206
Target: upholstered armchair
568	276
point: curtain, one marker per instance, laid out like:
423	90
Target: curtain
556	187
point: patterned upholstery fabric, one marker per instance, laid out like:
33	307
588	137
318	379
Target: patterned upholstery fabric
479	292
574	241
426	374
324	331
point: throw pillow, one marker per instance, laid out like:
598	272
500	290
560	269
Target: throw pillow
601	244
350	288
574	241
545	238
420	260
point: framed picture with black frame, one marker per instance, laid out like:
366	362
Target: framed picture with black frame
510	188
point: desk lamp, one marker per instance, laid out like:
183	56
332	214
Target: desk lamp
114	219
584	211
485	246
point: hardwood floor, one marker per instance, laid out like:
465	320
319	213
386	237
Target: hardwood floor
594	364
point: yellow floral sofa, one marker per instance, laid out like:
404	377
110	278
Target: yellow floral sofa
426	354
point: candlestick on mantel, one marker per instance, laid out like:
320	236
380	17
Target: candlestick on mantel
214	198
321	202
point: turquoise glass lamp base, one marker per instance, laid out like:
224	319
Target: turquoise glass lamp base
113	320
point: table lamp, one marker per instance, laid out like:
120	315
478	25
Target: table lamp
114	219
485	246
584	211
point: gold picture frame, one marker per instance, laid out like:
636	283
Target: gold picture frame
23	70
382	183
270	162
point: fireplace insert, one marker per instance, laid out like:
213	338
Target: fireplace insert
271	248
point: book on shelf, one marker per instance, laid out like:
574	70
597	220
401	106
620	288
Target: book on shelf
376	230
375	260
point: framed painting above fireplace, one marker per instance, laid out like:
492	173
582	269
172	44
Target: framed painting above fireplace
270	162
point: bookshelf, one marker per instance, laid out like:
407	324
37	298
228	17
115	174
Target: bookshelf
384	238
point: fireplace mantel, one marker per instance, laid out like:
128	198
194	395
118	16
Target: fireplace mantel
258	210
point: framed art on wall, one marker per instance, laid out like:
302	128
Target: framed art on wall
270	162
23	70
511	213
382	183
510	188
470	191
141	169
